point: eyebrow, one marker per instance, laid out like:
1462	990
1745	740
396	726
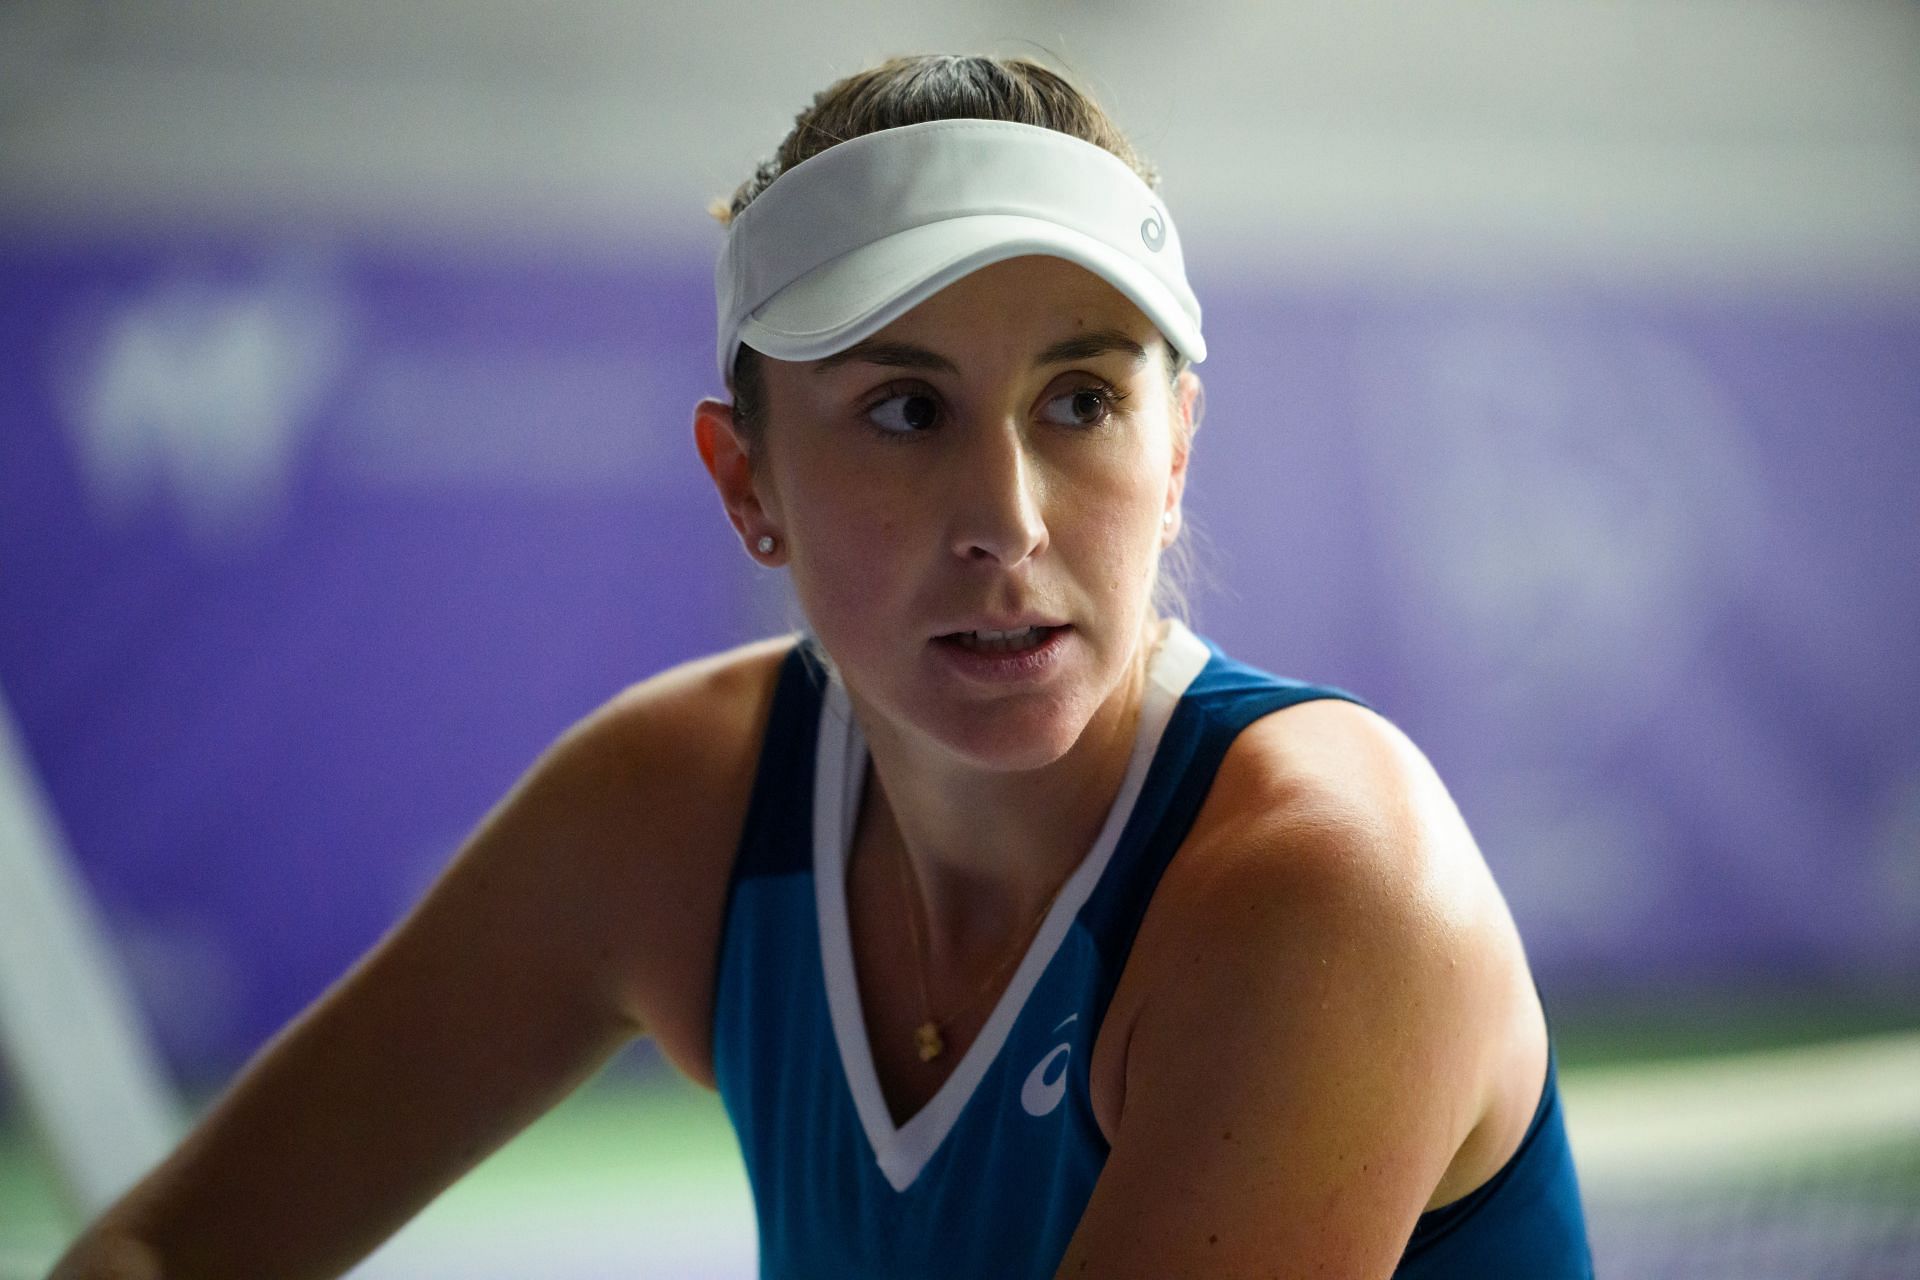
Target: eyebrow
898	355
906	355
1089	345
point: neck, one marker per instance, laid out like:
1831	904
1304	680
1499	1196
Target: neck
989	849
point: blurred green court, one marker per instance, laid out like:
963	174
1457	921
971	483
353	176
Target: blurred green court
1715	1140
637	1173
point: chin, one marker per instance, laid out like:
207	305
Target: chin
1013	729
1013	736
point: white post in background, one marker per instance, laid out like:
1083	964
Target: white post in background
70	1034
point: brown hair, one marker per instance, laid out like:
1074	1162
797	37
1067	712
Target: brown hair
914	90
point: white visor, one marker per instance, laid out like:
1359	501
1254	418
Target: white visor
844	243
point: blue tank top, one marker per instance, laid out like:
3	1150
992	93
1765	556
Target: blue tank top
991	1176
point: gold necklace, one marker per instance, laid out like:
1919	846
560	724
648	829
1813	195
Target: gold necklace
926	1037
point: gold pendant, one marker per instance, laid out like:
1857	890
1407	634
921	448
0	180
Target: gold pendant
928	1038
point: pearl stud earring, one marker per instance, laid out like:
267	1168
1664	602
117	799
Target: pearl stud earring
765	545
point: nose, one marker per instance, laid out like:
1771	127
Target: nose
995	498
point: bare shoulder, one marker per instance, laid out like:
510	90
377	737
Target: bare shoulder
1325	818
1330	802
1322	817
651	791
742	677
1330	929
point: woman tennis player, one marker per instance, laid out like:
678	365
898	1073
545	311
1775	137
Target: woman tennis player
1022	932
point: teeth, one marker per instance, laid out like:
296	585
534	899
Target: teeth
1000	641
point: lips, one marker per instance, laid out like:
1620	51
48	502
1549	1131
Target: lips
1003	656
1011	640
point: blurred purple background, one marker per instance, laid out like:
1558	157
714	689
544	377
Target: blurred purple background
345	379
308	552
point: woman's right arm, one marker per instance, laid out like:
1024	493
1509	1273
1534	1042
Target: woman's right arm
583	911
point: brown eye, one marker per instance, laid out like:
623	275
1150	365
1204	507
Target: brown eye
1082	407
905	414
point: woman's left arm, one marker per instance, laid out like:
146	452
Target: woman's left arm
1321	991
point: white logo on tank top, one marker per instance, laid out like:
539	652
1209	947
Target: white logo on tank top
1041	1093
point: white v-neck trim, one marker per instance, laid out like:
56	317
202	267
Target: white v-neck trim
840	766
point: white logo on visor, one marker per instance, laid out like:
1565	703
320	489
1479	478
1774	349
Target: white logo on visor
1154	231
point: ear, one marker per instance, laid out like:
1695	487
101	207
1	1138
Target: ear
1189	404
724	451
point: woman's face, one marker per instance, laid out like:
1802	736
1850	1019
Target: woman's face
1000	459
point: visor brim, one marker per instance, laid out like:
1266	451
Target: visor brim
859	293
